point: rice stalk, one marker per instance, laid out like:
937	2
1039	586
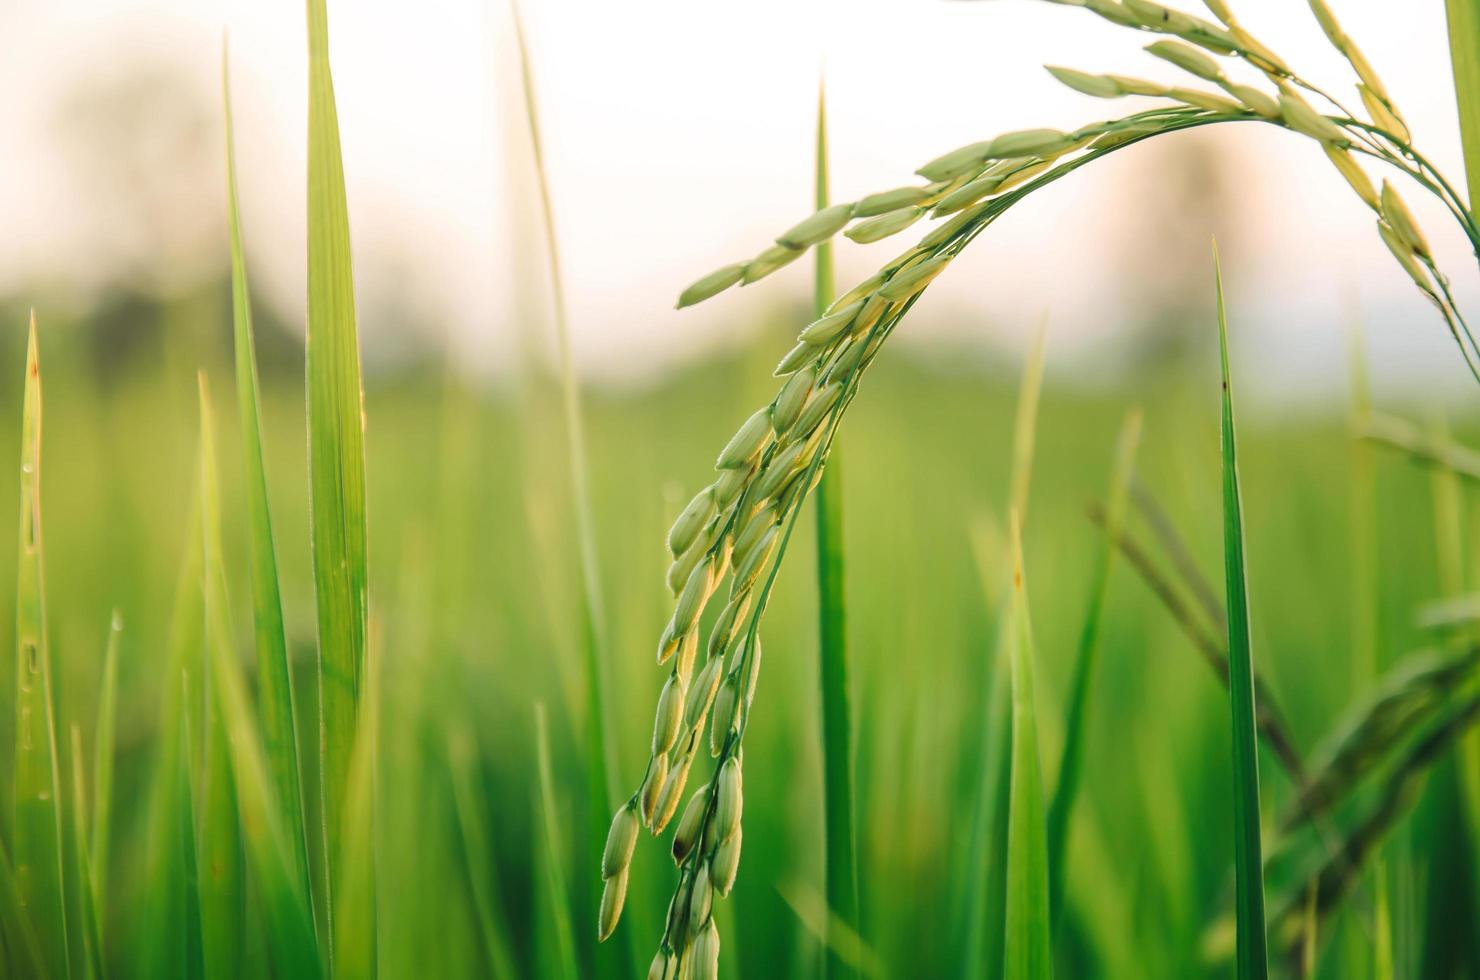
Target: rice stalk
1086	661
276	703
336	448
39	874
1028	954
1252	958
839	846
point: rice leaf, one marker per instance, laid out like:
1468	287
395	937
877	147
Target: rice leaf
1028	953
275	697
548	859
482	875
1464	54
38	816
1251	944
1085	663
336	440
84	904
103	741
283	899
22	948
222	891
839	829
355	936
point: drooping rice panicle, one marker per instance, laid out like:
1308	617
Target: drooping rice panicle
38	814
276	703
336	445
1253	957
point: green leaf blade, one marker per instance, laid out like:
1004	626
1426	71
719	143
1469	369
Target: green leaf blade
275	700
1251	942
38	818
1028	943
336	446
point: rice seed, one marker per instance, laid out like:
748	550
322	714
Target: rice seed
668	643
817	407
877	229
755	528
1328	23
1255	52
968	194
885	201
768	262
1403	252
725	862
1260	102
820	332
1348	167
731	800
731	481
725	626
795	358
664	966
1299	116
944	233
613	897
620	840
1022	175
652	785
1205	100
858	292
902	286
1028	143
1400	219
723	714
1099	86
691	600
949	166
791	398
711	285
746	571
1113	12
687	651
702	958
1187	58
746	442
1137	86
670	712
1384	116
686	835
701	899
668	796
702	694
777	470
691	521
821	226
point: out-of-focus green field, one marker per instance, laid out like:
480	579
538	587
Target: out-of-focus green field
475	614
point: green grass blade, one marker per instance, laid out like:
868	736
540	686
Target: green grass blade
192	937
220	863
283	897
601	771
1464	54
22	948
38	816
355	934
1075	722
275	698
103	742
1252	957
336	439
482	876
84	904
1028	954
839	838
551	869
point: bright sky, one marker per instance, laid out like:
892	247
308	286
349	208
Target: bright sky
679	137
